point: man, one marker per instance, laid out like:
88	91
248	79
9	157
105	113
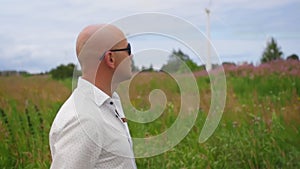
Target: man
90	130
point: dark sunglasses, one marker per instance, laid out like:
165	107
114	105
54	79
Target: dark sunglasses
128	49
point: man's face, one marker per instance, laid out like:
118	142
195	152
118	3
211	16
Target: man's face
123	61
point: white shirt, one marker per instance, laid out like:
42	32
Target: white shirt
88	132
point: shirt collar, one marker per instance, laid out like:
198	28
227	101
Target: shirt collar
95	93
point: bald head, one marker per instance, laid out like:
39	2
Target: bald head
84	35
93	41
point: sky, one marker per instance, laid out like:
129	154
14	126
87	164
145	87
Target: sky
38	35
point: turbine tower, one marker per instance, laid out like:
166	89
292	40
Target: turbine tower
208	56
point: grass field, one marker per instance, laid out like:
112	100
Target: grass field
259	128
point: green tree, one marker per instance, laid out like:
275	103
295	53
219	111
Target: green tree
175	62
63	71
272	52
293	56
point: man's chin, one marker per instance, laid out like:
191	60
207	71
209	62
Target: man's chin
125	77
129	76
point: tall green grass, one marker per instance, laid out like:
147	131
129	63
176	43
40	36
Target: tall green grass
24	136
246	144
259	128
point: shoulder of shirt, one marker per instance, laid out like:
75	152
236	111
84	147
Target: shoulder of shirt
76	109
72	119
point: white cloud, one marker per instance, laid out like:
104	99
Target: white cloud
44	32
249	4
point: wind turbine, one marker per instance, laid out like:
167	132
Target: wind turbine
208	56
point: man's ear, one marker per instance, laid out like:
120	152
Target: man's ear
109	59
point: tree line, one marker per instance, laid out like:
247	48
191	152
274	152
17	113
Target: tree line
179	62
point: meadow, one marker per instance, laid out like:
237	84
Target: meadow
259	128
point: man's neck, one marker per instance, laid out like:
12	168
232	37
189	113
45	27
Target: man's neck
104	84
106	88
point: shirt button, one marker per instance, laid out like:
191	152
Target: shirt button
111	103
